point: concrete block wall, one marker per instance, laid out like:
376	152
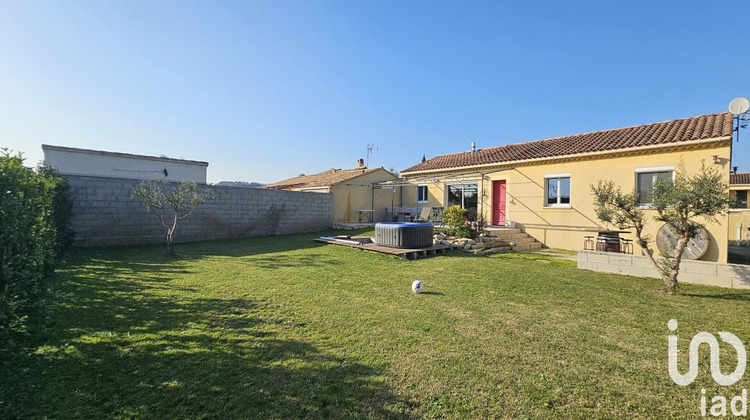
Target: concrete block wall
708	273
104	214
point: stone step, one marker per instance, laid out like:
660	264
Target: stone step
524	241
511	236
528	247
495	231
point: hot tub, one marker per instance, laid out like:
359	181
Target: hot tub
404	234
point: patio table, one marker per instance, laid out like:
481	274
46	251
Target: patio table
608	240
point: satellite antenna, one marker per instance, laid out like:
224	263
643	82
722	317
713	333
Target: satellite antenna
370	149
739	107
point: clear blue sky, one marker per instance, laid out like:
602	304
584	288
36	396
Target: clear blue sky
268	90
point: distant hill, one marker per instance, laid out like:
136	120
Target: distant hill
239	184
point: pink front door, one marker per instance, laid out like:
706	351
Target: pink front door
498	203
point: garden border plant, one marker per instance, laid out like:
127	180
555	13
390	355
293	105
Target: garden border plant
455	218
35	212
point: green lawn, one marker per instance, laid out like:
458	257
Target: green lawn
285	327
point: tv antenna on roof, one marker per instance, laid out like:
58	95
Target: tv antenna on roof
739	107
370	150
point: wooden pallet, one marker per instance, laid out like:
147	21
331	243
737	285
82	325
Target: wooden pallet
368	244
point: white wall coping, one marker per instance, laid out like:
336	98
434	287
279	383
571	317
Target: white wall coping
46	147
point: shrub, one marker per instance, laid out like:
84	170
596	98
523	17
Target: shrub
62	209
35	219
455	217
466	232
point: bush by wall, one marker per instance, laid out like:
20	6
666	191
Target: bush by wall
35	220
455	217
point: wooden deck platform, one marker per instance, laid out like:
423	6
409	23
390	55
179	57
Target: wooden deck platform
368	244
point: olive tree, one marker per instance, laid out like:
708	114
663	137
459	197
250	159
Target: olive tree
170	203
685	204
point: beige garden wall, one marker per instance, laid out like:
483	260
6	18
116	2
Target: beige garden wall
733	276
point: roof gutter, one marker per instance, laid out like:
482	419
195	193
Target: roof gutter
328	187
578	155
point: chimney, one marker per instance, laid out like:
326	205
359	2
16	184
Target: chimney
360	163
473	147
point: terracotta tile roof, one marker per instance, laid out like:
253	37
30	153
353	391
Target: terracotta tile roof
655	134
322	179
741	178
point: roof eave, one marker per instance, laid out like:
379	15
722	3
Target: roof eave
574	156
366	172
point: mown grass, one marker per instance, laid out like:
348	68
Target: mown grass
285	327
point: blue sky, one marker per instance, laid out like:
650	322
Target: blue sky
267	90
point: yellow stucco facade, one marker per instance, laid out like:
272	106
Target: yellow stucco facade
564	225
739	225
739	215
353	195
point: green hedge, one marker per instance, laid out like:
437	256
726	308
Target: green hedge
35	219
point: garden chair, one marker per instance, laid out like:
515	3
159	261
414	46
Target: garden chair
424	215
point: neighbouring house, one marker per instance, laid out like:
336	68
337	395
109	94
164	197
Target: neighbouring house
86	162
544	186
356	196
739	214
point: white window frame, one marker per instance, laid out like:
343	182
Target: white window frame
650	169
426	194
558	205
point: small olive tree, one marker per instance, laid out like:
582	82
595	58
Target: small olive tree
170	203
680	204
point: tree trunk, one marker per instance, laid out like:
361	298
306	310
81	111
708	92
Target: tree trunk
670	279
170	236
170	245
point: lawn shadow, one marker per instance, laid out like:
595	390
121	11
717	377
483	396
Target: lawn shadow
244	247
277	261
116	349
433	293
738	295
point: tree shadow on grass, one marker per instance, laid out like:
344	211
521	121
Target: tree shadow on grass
243	247
293	261
115	349
738	295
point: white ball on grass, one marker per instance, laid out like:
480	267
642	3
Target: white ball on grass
417	287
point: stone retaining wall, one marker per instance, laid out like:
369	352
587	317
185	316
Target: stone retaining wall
104	214
697	272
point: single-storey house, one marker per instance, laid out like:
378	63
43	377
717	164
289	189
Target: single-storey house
355	196
87	162
739	214
544	186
